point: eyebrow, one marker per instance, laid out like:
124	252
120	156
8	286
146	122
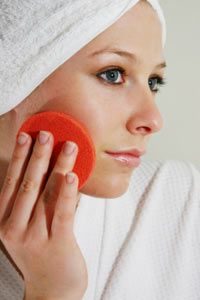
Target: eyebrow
121	52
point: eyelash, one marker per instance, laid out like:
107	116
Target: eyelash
160	81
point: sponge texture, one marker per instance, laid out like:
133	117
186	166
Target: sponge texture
64	128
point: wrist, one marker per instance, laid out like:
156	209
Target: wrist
37	297
46	298
30	294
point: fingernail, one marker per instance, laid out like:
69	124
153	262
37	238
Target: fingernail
69	147
22	138
43	137
70	177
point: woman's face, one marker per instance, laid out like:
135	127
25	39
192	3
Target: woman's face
118	108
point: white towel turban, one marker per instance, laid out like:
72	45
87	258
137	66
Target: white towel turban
36	37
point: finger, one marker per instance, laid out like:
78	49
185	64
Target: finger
31	184
49	196
65	208
14	175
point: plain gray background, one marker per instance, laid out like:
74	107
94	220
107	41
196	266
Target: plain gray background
179	99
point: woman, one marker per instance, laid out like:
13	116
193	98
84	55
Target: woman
139	246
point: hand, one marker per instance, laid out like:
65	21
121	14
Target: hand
36	222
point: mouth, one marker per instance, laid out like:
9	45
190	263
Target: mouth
128	158
133	152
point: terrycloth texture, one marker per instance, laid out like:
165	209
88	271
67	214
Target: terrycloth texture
36	37
144	245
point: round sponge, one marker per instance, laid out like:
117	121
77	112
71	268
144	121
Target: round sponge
64	128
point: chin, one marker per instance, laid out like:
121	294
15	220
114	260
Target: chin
104	188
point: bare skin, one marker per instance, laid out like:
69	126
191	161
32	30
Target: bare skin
33	239
76	89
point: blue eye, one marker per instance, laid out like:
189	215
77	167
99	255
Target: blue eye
155	82
112	76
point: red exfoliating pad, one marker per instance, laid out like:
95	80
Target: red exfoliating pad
64	128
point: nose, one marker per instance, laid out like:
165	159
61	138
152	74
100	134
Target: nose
145	117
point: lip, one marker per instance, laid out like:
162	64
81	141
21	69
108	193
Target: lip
132	152
128	158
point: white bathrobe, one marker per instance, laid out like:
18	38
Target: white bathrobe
144	245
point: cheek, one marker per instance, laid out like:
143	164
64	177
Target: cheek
94	117
97	111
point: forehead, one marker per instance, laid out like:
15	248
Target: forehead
138	31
